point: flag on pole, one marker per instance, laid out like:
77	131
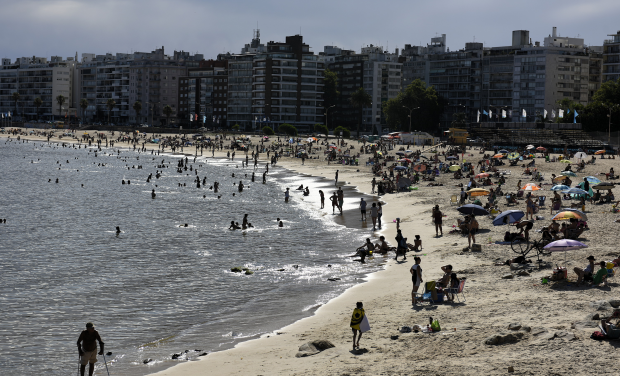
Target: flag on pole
544	113
9	113
509	113
575	117
524	113
478	117
503	114
490	114
196	117
560	113
204	119
568	111
191	117
553	113
484	112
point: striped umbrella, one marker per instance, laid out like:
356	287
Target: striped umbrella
531	187
478	192
567	215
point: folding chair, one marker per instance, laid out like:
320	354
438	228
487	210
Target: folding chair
454	200
424	297
456	291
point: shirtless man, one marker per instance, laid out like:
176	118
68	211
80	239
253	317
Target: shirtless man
381	246
87	348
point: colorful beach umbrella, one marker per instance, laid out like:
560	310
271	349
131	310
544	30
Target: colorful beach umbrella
560	187
531	187
513	155
507	217
567	215
565	161
592	180
478	192
528	147
585	217
419	168
498	156
540	148
482	175
563	245
400	168
560	178
454	168
503	151
568	173
600	152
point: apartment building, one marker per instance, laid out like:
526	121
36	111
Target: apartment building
349	67
36	77
611	58
203	94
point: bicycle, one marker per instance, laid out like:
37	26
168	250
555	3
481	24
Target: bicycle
523	247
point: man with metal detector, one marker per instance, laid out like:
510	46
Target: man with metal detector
87	347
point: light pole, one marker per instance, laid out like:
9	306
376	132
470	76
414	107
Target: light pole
410	112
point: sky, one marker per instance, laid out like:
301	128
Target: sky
63	27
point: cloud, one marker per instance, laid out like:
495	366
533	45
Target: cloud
61	27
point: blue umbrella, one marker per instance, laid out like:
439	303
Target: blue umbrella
504	151
575	191
511	216
399	168
592	179
560	187
451	157
472	209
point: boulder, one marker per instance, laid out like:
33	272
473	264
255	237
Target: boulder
601	305
539	332
614	302
523	273
508	276
526	328
514	326
235	270
314	347
394	338
502	338
249	272
561	334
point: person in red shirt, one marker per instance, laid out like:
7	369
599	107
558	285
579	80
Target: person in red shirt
87	348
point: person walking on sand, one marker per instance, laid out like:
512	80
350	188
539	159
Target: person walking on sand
374	214
356	320
416	278
336	183
322	199
374	183
363	209
437	216
87	348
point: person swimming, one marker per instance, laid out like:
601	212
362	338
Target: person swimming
153	195
118	230
234	226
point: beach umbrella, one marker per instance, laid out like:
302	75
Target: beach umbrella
585	217
600	152
581	155
503	151
560	178
478	192
450	157
592	180
560	187
531	187
528	147
567	215
540	148
564	245
565	161
513	155
454	168
400	168
511	216
472	209
603	186
498	156
408	151
568	173
482	175
575	191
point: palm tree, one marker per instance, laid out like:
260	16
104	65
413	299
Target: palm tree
37	103
15	99
110	103
360	99
84	106
137	106
167	110
60	100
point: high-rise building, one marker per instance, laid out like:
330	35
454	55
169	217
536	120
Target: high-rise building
611	58
203	94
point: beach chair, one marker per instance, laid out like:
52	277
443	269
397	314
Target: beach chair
541	201
454	200
520	194
456	291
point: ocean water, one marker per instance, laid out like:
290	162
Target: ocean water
156	289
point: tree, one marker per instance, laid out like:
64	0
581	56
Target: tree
416	94
345	132
267	130
460	119
568	104
321	128
110	104
137	107
83	106
331	93
38	103
15	97
236	127
60	100
360	99
288	129
167	110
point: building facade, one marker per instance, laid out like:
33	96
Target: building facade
611	58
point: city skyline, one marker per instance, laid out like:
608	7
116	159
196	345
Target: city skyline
211	27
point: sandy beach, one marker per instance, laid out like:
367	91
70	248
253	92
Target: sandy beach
550	324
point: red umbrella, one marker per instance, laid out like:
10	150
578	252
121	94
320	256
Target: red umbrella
540	148
420	168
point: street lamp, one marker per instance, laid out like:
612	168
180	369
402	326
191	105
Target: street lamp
410	112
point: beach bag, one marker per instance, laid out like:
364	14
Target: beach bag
435	326
598	336
430	287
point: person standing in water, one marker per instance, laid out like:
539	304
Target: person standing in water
286	195
322	199
87	348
